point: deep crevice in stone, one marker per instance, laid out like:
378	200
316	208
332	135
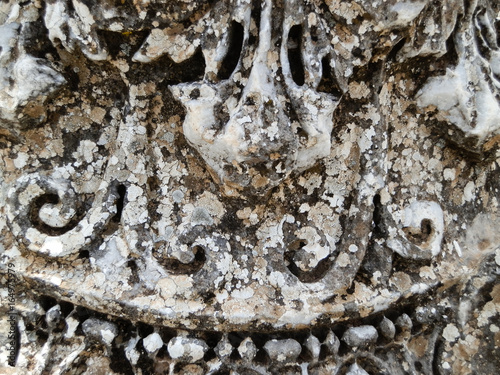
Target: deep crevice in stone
175	266
328	82
120	203
236	33
295	54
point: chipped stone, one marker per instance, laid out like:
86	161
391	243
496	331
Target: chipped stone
224	348
53	316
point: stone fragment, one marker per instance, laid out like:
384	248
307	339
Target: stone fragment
187	349
247	349
131	352
387	328
360	336
404	323
332	342
314	346
283	351
53	316
100	330
152	343
223	348
451	333
71	326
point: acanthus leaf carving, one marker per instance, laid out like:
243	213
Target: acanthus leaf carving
467	96
252	181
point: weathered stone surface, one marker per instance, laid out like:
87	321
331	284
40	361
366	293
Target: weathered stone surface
102	331
233	185
153	342
356	370
360	336
387	328
283	350
247	349
314	346
332	342
187	349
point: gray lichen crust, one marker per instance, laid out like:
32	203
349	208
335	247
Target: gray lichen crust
247	186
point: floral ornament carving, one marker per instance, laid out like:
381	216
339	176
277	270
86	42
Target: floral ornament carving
25	81
258	83
251	166
467	96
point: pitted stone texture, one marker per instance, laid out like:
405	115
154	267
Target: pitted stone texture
246	169
53	316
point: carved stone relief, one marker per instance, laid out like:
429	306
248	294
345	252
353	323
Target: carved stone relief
251	187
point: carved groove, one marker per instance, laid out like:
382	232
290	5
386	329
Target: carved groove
420	235
120	203
176	267
316	274
38	223
295	54
328	82
232	58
